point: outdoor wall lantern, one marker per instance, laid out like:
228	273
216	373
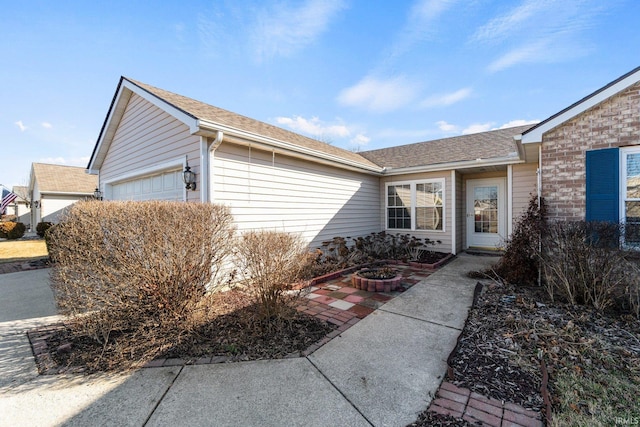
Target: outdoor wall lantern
189	178
97	194
36	204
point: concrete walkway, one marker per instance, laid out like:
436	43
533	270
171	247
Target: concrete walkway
383	371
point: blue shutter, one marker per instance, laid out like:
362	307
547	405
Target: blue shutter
603	185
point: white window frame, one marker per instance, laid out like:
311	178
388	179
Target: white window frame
412	208
624	154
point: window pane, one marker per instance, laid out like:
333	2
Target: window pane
399	206
399	195
429	194
429	218
486	209
633	176
632	223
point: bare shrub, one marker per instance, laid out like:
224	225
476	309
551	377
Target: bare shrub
583	264
12	230
122	266
42	227
343	252
270	263
520	263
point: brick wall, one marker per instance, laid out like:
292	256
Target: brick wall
612	123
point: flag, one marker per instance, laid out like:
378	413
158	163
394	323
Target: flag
7	198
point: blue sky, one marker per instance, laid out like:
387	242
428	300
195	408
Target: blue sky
358	74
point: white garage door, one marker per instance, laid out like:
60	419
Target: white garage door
162	186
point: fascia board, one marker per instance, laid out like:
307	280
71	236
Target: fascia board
499	161
115	114
187	119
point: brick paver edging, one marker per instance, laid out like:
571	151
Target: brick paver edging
473	407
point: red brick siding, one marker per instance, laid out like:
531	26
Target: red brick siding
612	123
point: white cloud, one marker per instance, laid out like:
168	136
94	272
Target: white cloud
419	24
73	161
477	127
46	125
535	52
446	127
323	131
360	140
314	127
484	127
540	31
286	30
503	26
21	126
446	99
519	122
379	95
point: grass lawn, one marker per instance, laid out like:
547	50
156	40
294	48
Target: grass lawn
20	250
597	399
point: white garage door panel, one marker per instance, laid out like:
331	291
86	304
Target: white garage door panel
162	186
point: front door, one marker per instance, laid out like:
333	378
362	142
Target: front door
486	213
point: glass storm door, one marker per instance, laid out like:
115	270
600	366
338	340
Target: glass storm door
486	213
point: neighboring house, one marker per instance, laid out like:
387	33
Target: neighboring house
21	207
52	188
465	191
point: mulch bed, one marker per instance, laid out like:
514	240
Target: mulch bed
429	419
16	266
235	331
431	257
482	361
510	330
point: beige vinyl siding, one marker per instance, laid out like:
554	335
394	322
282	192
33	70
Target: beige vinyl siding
524	185
443	236
277	192
146	137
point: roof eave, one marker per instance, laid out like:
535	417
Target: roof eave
467	164
199	127
118	105
208	128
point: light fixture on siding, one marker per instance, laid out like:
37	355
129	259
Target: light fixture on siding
189	178
36	204
97	194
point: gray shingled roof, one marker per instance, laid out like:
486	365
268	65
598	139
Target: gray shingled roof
485	145
64	179
202	111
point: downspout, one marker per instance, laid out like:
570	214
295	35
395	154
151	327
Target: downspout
539	176
539	173
204	169
206	151
509	200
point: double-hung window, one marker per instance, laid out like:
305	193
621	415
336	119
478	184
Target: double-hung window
416	205
630	203
399	206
